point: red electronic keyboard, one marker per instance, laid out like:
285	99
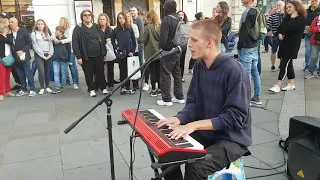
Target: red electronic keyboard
162	147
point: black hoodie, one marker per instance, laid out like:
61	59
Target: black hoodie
168	25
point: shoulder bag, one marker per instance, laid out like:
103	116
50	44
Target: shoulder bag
8	60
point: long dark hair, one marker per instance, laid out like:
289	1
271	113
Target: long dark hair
126	25
298	6
223	15
185	18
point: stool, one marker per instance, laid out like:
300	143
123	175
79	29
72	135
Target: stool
236	169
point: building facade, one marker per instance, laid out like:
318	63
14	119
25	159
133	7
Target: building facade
51	11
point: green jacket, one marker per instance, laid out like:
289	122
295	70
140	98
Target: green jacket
150	40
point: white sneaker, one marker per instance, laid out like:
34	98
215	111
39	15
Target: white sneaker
41	91
21	93
32	93
275	89
48	90
162	103
75	86
93	93
105	91
289	87
145	87
175	100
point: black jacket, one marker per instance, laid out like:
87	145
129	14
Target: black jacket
3	41
311	15
62	52
292	29
124	39
108	33
79	45
244	39
23	42
226	27
168	26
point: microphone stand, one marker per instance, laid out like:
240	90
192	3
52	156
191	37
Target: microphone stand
108	103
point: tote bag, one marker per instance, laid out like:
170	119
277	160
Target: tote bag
110	52
133	64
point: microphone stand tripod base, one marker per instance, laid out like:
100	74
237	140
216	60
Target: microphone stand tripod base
109	102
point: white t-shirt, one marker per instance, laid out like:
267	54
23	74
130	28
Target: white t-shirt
14	37
7	50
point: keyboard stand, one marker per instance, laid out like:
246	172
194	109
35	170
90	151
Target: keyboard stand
170	165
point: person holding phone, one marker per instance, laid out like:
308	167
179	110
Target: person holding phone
43	51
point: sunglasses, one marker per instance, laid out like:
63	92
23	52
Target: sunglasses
87	15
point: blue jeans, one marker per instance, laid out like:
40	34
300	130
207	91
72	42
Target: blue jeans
314	57
74	71
25	72
223	48
60	69
308	52
259	58
249	59
51	71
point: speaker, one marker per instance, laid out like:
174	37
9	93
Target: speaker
303	147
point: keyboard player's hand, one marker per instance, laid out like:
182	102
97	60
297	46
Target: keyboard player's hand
172	122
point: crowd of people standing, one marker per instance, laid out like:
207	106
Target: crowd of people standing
140	35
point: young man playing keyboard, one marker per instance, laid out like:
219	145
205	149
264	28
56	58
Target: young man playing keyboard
217	112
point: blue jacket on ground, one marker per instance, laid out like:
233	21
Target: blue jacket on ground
222	94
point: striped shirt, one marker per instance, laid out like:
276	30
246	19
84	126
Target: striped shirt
274	22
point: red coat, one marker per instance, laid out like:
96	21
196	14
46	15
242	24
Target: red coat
314	28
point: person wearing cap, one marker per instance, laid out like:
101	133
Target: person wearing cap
60	60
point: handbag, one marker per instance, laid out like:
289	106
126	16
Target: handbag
120	54
110	52
8	60
317	36
133	64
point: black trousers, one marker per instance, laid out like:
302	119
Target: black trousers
147	74
191	63
183	60
94	67
286	69
155	74
110	75
15	75
123	66
170	65
223	154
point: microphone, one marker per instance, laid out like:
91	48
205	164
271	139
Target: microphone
175	50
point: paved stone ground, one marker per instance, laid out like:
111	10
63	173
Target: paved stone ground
34	147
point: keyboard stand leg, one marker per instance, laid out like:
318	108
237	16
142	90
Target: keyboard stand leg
166	171
156	172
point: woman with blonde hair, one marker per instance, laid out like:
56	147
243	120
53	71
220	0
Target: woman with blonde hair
43	51
6	49
104	24
150	40
136	35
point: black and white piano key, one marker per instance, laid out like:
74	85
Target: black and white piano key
194	144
